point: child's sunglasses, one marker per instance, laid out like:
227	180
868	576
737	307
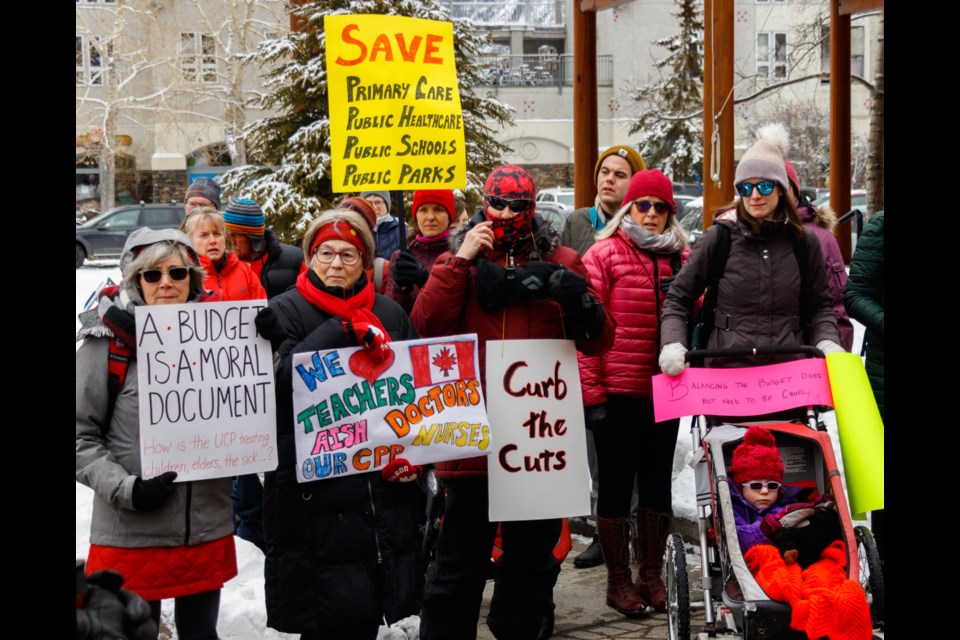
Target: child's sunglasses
765	188
153	275
772	485
498	204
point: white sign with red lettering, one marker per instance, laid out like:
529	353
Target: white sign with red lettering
538	464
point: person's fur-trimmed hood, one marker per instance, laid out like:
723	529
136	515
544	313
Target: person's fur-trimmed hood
822	217
545	237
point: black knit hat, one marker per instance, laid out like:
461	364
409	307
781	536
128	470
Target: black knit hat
205	188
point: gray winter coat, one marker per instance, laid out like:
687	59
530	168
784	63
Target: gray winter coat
109	463
578	232
758	302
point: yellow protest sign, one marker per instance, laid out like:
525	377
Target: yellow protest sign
395	116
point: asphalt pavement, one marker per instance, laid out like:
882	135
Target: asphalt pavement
580	598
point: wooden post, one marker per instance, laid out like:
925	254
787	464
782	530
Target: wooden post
840	122
717	101
585	138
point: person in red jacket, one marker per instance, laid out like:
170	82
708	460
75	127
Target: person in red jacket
228	277
634	257
506	277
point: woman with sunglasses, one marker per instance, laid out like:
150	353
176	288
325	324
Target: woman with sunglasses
410	267
505	277
169	540
229	277
634	257
774	288
342	553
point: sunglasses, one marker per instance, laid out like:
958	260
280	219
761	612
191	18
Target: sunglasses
765	188
772	485
517	206
327	256
153	275
643	206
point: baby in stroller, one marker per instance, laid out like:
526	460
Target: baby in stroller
794	549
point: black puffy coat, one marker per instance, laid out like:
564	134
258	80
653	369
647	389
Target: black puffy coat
343	552
282	266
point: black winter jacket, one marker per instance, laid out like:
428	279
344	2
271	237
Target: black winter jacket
282	266
341	552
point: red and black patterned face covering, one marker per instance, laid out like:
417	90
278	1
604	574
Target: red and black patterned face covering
511	182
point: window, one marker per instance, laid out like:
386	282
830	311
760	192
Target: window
772	55
856	51
198	57
771	1
91	67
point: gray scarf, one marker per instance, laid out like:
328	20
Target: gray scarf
663	243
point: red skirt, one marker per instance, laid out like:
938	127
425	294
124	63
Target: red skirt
155	573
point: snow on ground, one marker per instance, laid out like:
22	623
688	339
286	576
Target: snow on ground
242	611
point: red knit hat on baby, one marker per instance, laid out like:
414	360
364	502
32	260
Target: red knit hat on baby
650	182
757	458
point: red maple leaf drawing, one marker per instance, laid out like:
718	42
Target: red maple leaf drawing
445	361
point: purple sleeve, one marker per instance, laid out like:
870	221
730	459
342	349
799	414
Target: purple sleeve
750	535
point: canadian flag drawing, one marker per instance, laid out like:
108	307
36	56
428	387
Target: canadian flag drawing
442	362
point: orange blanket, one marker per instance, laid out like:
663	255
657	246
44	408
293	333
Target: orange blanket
824	602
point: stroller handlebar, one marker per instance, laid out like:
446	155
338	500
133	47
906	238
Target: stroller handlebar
697	355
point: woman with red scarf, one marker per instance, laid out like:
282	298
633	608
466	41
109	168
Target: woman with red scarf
342	553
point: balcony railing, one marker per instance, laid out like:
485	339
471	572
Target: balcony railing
538	70
509	13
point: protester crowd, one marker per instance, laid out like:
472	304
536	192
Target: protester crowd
343	555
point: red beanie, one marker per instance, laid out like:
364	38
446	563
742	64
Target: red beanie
792	177
757	458
442	197
339	230
650	182
362	207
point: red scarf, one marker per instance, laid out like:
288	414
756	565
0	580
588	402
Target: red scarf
355	313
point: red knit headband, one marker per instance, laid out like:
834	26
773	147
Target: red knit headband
338	230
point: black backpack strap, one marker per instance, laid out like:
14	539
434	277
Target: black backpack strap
714	274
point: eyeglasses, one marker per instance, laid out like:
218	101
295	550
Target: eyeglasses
517	206
153	275
771	485
765	188
643	206
349	257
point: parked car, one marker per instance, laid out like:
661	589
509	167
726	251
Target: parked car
694	189
682	201
562	196
553	213
692	221
858	200
105	235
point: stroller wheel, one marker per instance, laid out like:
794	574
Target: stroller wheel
871	572
678	593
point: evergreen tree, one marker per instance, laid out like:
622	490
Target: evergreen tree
670	121
292	182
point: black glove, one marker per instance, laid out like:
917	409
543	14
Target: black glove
566	285
407	271
149	495
583	317
112	612
269	326
594	416
493	290
532	281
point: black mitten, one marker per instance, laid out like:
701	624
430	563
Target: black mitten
406	271
112	612
583	317
269	326
566	285
493	289
532	280
149	495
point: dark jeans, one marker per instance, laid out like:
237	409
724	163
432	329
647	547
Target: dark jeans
634	452
525	575
195	615
247	497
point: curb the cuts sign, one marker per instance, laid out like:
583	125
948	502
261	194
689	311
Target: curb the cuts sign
207	395
354	415
395	116
741	391
538	467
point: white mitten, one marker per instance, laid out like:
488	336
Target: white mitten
671	359
829	346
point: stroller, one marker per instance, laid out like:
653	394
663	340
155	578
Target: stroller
734	604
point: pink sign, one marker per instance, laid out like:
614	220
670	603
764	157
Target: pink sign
744	391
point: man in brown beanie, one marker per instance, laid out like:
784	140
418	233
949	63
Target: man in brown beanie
611	175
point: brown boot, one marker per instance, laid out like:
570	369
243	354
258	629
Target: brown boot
653	528
614	536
